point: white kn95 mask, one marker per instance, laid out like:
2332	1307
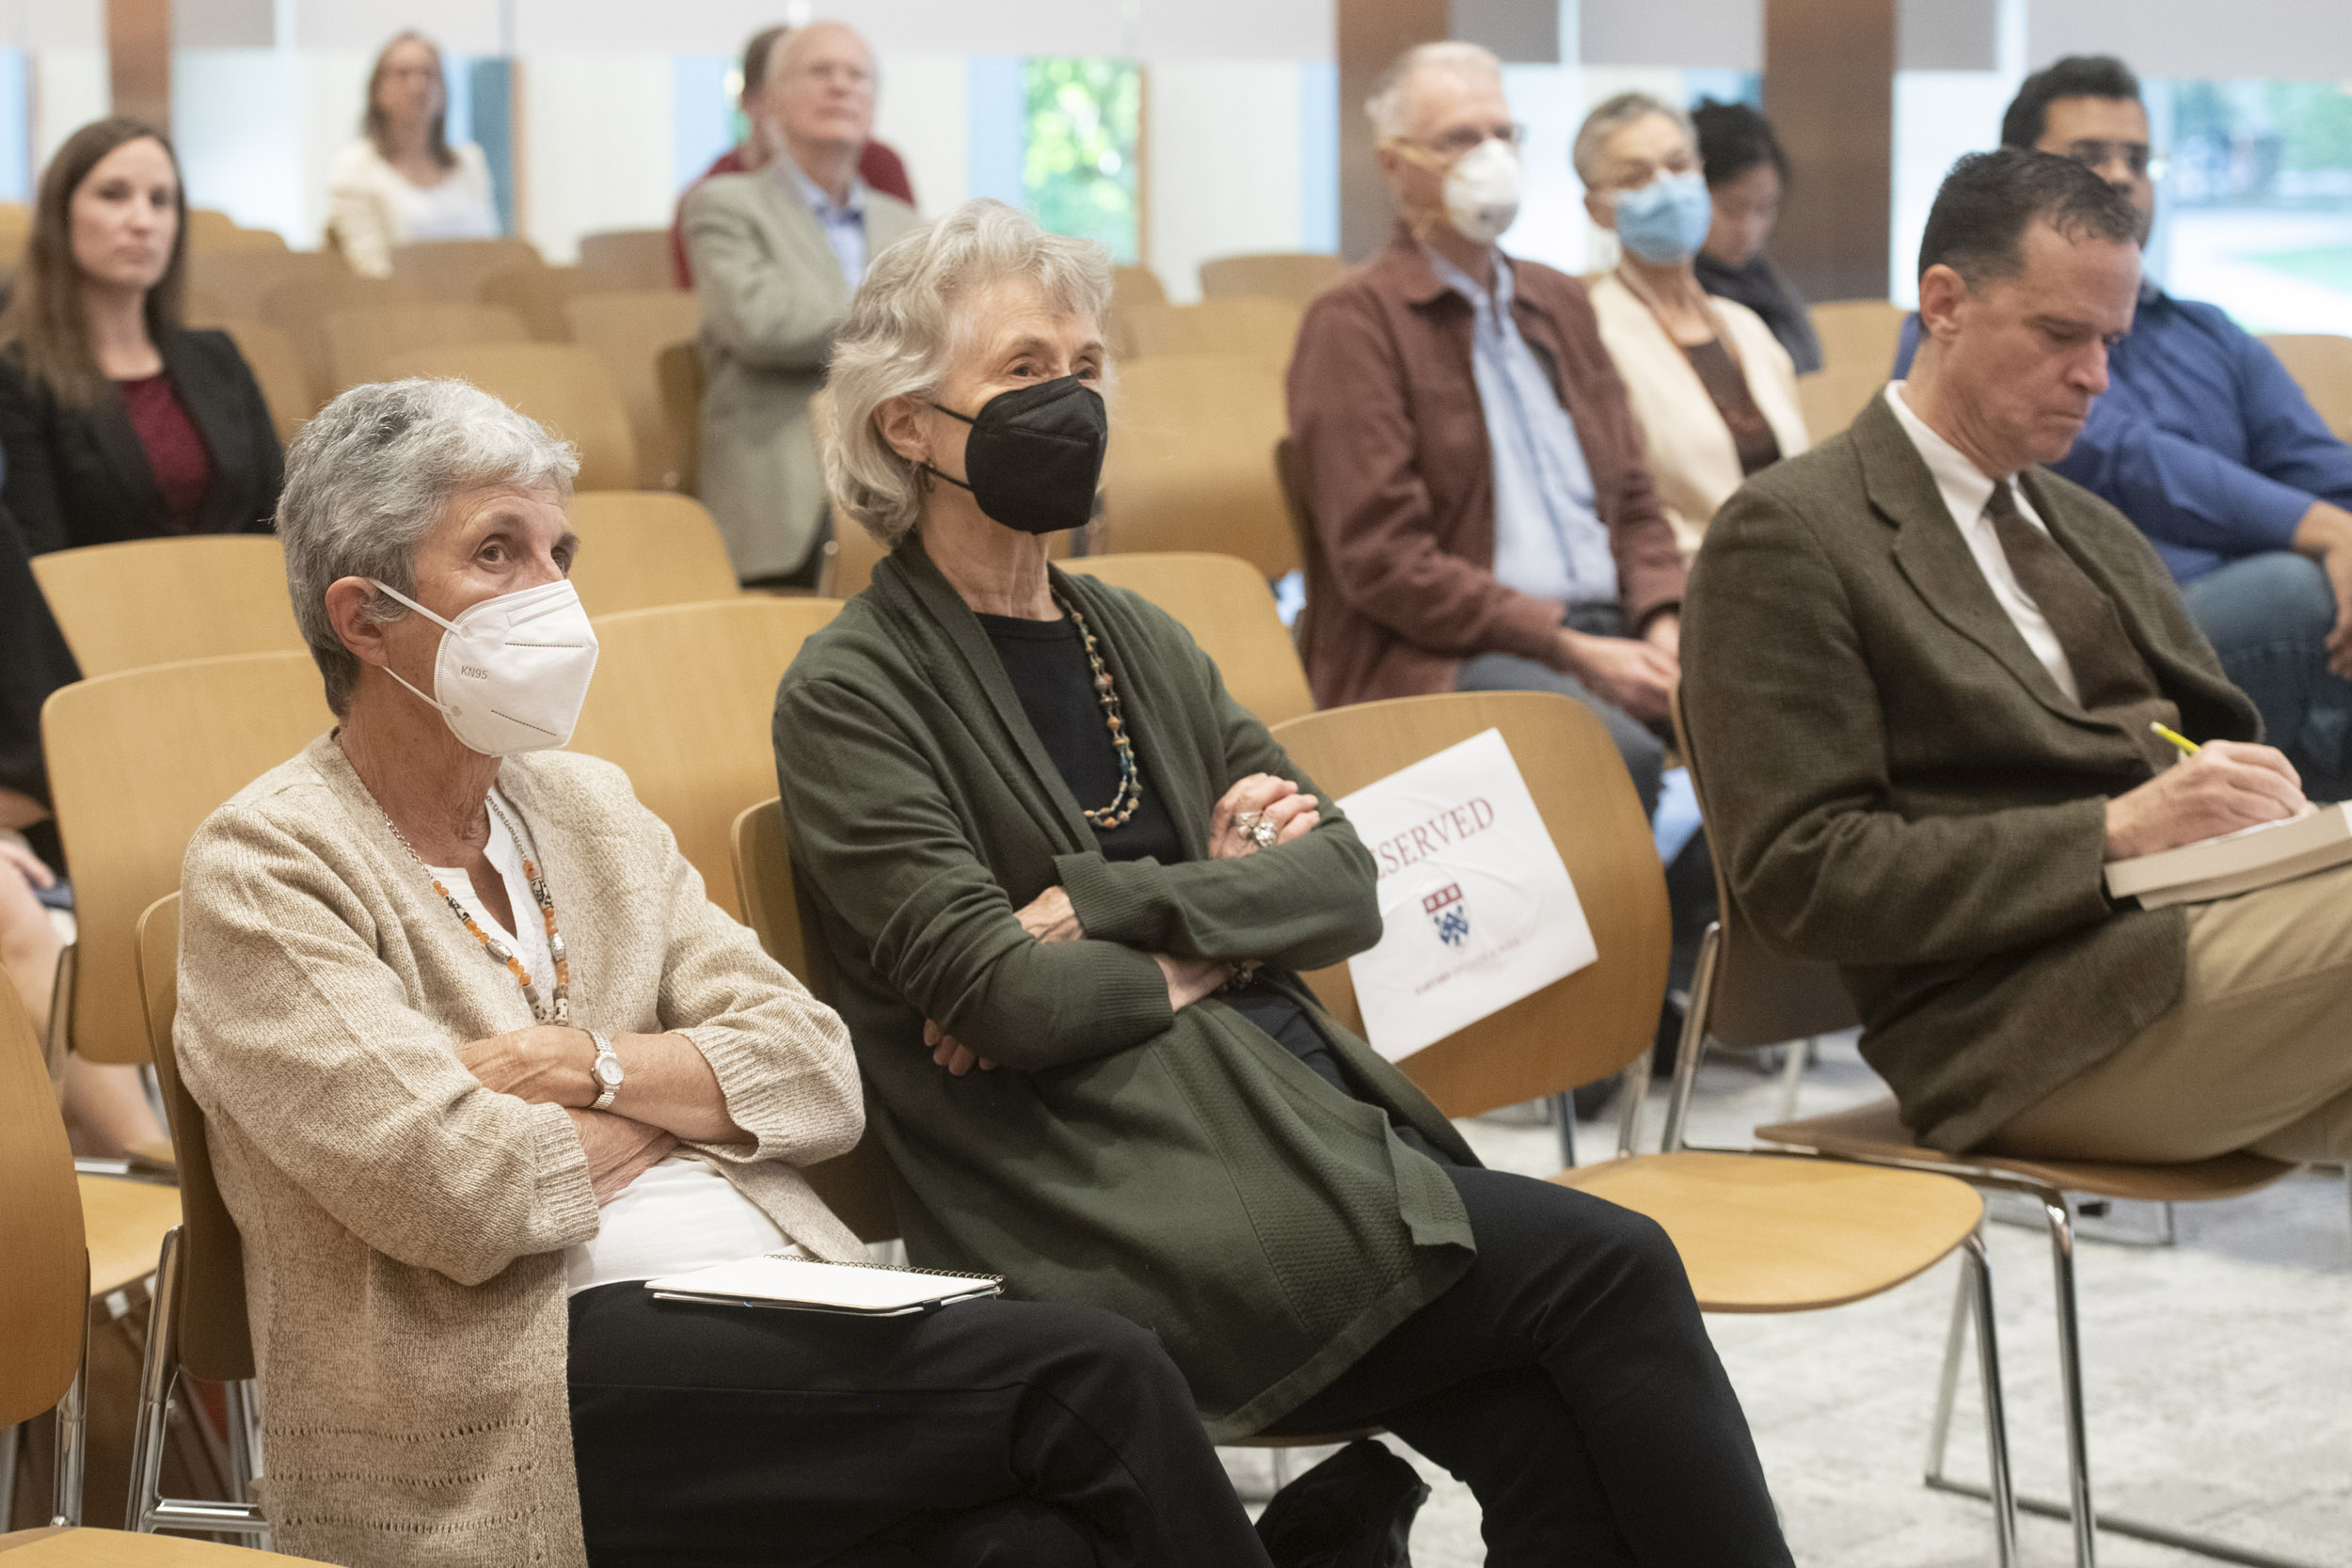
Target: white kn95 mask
513	671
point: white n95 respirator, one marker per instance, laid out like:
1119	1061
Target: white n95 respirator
513	671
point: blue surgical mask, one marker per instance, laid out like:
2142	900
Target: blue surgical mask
1666	220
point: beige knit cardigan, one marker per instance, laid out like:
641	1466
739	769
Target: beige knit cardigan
405	1227
1690	449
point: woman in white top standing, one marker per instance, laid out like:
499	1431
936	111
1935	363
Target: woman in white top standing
402	180
1714	392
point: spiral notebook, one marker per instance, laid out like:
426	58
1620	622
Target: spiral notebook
805	1285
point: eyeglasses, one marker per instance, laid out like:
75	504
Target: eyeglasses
1462	138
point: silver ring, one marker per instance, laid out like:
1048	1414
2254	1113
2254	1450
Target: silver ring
1263	835
1246	823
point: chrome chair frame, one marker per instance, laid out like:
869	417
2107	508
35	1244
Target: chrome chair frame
149	1509
2058	1210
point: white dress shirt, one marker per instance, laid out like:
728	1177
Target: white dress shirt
680	1215
1968	494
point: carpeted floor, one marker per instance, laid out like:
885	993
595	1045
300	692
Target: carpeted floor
2220	1375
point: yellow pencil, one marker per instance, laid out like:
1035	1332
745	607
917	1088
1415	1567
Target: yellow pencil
2188	748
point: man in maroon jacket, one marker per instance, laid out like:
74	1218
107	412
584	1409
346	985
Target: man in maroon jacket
1483	518
878	166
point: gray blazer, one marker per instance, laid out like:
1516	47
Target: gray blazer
1896	786
772	296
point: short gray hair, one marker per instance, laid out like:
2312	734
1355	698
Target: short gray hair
371	475
1385	107
905	324
1614	115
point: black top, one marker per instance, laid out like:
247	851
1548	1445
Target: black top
34	661
1764	288
80	476
1046	662
1726	387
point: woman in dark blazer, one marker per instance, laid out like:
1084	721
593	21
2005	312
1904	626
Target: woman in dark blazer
117	421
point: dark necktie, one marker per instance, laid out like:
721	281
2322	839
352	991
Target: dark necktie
2114	681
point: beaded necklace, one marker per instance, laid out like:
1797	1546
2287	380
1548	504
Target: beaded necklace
560	1012
1130	797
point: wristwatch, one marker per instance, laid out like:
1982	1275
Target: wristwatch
607	1070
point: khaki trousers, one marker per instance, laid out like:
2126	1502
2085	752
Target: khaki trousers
2256	1055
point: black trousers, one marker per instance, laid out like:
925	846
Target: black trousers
1568	1379
989	1434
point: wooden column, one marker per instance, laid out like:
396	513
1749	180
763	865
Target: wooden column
1829	91
1371	33
138	60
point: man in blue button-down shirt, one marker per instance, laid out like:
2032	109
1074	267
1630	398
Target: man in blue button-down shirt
2207	443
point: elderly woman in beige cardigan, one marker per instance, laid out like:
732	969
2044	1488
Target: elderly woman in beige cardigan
480	1057
1714	392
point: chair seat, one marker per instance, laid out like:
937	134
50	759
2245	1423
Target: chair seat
124	1222
111	1548
1764	1234
1877	1131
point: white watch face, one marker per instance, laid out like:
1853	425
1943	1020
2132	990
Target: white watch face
609	1072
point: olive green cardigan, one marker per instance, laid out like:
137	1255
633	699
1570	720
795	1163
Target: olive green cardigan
1182	1169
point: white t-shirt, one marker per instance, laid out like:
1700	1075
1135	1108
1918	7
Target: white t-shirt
679	1215
1967	493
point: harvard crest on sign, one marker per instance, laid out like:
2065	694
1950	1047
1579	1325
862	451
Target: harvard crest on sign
1448	913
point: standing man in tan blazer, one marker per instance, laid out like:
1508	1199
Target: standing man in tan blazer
1921	670
777	255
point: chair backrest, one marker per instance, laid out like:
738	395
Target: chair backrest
277	365
682	702
237	281
1831	399
645	547
562	386
361	342
1131	286
1297	276
536	292
214	1339
214	233
1859	333
2321	363
1252	327
855	1186
1191	461
16	228
299	309
137	761
157	601
629	331
1758	996
44	1288
1226	606
628	259
1593	1022
678	372
453	269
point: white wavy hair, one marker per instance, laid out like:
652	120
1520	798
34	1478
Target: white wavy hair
1390	95
1614	115
905	324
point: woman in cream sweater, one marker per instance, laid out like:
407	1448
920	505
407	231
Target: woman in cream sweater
1714	392
480	1057
402	180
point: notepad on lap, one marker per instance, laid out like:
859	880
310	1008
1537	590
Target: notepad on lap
802	1284
2236	862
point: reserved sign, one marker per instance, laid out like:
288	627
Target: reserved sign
1476	908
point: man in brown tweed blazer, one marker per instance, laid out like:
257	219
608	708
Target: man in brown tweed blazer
1921	672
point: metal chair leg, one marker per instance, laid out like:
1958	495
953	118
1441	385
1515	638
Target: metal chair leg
1792	1076
2058	1208
244	1435
1948	1379
1279	1460
1693	1042
156	1368
1564	1117
1977	1273
72	1448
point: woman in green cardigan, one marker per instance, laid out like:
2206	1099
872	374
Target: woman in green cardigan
1041	841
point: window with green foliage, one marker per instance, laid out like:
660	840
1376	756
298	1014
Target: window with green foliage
1078	168
2260	193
